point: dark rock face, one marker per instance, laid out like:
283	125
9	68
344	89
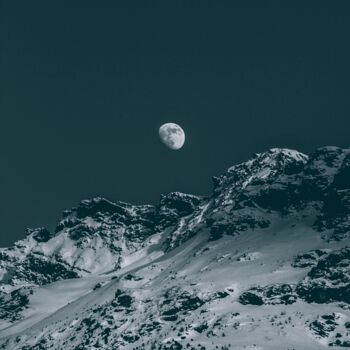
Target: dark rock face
342	178
96	224
131	277
122	300
269	295
335	216
201	328
174	206
149	328
11	304
284	181
262	168
171	345
319	171
326	178
177	302
95	206
248	192
173	210
309	259
92	225
40	234
40	271
184	204
325	326
252	297
236	224
37	270
138	221
80	231
329	280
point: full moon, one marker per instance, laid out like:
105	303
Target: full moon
172	136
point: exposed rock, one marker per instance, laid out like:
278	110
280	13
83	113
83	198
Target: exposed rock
329	280
309	259
176	302
40	234
269	295
173	206
11	304
324	325
330	328
122	300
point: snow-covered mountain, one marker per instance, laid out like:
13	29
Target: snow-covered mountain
263	263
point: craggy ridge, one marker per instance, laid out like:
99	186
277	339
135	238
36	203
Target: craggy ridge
262	263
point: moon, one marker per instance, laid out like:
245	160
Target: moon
172	135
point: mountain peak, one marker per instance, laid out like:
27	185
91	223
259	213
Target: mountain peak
273	159
289	153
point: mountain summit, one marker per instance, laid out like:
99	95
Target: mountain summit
262	263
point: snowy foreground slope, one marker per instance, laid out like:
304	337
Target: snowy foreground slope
263	263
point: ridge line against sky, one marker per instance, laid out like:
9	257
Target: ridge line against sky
85	87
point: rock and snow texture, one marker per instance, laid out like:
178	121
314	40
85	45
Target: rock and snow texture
263	263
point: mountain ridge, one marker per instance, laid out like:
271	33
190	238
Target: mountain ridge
117	256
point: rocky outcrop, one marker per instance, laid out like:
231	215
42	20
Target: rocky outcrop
309	259
331	328
12	304
329	280
92	237
270	295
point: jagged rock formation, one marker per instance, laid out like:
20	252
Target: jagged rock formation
329	280
332	327
91	238
259	264
269	295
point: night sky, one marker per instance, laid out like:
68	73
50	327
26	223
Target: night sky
85	86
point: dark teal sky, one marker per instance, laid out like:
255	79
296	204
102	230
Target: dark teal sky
85	86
